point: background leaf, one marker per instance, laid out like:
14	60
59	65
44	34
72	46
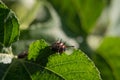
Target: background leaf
107	58
78	16
9	26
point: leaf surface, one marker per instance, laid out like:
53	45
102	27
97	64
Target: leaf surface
9	26
108	58
44	64
75	66
79	16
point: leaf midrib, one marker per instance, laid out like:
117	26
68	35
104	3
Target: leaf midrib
46	68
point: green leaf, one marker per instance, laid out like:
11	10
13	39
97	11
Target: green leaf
108	58
9	26
89	12
44	64
104	67
75	66
14	71
36	48
79	15
3	68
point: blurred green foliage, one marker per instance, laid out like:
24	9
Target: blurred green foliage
109	52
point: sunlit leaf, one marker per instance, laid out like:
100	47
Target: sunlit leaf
68	67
